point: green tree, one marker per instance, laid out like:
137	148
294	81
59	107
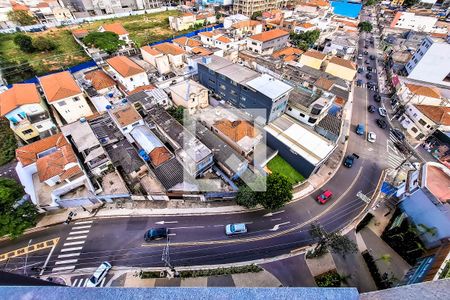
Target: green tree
365	26
21	17
8	143
386	258
409	3
14	219
332	241
256	15
177	113
370	2
43	44
106	41
330	279
24	42
246	197
305	40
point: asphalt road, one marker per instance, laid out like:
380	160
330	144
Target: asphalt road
200	240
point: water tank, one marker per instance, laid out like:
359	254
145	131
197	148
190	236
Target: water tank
124	100
82	119
108	106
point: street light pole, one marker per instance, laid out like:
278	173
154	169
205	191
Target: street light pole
26	258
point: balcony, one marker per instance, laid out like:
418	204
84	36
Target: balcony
38	117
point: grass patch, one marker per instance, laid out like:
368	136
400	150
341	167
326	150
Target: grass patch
8	143
206	272
279	165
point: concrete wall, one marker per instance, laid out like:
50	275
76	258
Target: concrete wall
72	110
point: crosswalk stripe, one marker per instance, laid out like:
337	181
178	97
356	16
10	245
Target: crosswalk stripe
78	232
81	227
76	237
65	268
67	261
75	282
71	249
82	282
73	243
69	255
83	222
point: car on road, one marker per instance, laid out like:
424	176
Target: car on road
98	275
365	52
371	108
372	57
324	197
369	69
398	134
377	97
349	160
368	76
360	56
381	123
360	70
232	229
156	234
367	62
371	86
366	46
382	111
360	129
359	82
372	137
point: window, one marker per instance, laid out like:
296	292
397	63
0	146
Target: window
414	129
254	43
302	115
212	81
243	98
211	72
131	78
415	61
39	126
62	103
222	77
222	86
233	82
75	99
28	131
233	92
422	122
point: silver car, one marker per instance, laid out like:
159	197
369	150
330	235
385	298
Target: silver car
372	137
99	274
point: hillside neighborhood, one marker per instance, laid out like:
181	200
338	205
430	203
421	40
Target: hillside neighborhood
304	141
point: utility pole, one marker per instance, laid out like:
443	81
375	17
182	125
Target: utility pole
26	258
171	272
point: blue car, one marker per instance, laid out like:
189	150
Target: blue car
360	129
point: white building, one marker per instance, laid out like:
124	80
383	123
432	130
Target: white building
126	117
127	72
420	94
156	59
173	52
431	62
412	21
230	20
267	42
190	95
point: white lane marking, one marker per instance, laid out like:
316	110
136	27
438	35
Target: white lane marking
69	255
276	227
248	223
102	282
47	260
276	219
219	225
71	249
73	243
273	213
79	232
81	227
186	227
83	222
82	281
76	237
166	222
172	234
67	261
66	268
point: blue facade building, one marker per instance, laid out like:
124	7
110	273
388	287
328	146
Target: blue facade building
244	88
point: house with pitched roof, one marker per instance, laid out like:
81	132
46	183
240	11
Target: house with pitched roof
174	53
118	29
27	114
126	117
313	59
100	88
65	96
49	170
186	43
246	27
183	22
408	92
156	59
268	41
127	72
304	27
342	68
421	120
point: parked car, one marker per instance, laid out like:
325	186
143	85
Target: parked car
98	275
360	56
381	123
372	137
232	229
366	47
365	52
367	62
398	134
369	69
368	76
359	82
372	57
360	70
360	129
348	161
382	111
156	234
377	98
371	108
324	197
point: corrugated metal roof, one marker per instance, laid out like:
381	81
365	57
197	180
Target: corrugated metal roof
146	138
269	86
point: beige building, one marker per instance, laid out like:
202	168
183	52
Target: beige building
313	59
156	59
66	97
341	68
248	7
190	95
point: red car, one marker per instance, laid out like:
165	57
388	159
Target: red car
324	197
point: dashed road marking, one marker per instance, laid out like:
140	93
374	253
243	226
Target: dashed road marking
69	255
76	237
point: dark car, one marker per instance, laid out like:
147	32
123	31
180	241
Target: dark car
377	98
381	123
371	108
369	69
398	134
367	62
359	82
366	47
360	70
348	162
368	76
365	52
156	234
372	57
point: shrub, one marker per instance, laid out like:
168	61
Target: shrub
329	279
373	269
8	143
366	220
207	272
43	44
24	42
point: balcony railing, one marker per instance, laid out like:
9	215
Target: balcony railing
38	117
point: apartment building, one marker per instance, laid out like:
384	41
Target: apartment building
65	96
415	22
267	42
431	53
127	72
174	53
249	7
244	88
190	95
27	114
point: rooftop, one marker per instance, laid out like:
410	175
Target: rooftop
237	73
269	35
427	91
123	154
438	181
269	86
125	115
171	174
18	95
99	79
306	25
187	42
235	130
438	114
288	53
80	33
28	154
82	135
117	28
215	62
169	48
201	51
223	39
148	141
315	54
343	62
149	98
59	86
150	50
245	23
124	66
182	88
303	97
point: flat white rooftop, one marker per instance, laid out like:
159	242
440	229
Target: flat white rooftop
269	86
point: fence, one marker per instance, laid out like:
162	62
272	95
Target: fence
189	34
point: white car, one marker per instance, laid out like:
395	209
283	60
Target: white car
99	274
382	111
372	137
232	229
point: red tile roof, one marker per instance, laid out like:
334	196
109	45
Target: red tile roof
246	23
99	79
159	156
235	130
169	48
150	50
438	114
306	25
427	91
58	86
288	53
148	87
18	95
343	62
124	66
315	54
80	33
223	39
187	42
201	51
126	115
269	35
117	28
